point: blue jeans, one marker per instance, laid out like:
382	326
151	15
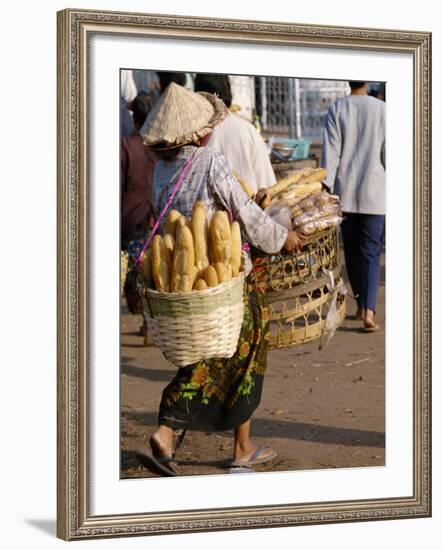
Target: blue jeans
363	238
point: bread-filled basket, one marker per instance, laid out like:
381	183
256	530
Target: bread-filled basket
190	327
192	287
304	291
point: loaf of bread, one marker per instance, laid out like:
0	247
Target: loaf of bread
183	260
298	191
211	277
244	185
220	238
236	248
319	224
146	269
284	183
161	264
169	243
200	229
319	174
171	222
222	272
200	284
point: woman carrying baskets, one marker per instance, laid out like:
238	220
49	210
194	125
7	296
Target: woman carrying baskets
213	394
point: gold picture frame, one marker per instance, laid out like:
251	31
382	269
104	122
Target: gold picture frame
75	28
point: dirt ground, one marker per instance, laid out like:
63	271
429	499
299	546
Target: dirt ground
319	409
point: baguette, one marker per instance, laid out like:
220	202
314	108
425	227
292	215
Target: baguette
318	174
211	276
222	272
200	284
244	185
169	243
220	238
161	264
171	222
183	260
284	183
290	202
299	191
199	227
146	269
236	252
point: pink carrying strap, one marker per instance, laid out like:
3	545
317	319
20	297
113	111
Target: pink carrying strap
167	205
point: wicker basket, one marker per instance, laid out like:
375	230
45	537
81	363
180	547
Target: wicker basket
298	315
320	253
197	325
299	290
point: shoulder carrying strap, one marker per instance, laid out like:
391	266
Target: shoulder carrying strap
176	187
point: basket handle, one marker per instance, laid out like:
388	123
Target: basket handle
166	207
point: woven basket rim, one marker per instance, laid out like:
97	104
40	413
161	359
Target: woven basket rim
307	240
195	293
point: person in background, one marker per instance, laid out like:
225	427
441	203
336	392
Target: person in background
128	89
126	124
354	156
137	166
147	81
236	138
165	78
128	92
378	90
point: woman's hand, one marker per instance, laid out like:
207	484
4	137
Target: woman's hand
262	198
294	242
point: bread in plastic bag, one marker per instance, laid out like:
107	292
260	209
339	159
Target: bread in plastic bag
319	224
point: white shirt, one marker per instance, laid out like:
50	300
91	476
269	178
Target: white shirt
128	89
244	150
243	94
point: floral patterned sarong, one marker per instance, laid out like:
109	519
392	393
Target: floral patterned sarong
220	394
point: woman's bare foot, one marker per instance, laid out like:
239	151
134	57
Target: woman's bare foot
159	460
245	450
369	324
162	441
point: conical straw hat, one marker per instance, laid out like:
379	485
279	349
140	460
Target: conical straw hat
181	116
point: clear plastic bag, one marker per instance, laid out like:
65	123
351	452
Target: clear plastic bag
329	208
332	317
281	214
319	224
306	217
322	198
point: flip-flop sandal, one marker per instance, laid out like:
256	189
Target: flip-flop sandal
163	466
241	470
255	458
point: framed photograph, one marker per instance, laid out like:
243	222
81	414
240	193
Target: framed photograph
283	376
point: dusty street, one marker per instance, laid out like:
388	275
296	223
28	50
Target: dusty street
320	409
